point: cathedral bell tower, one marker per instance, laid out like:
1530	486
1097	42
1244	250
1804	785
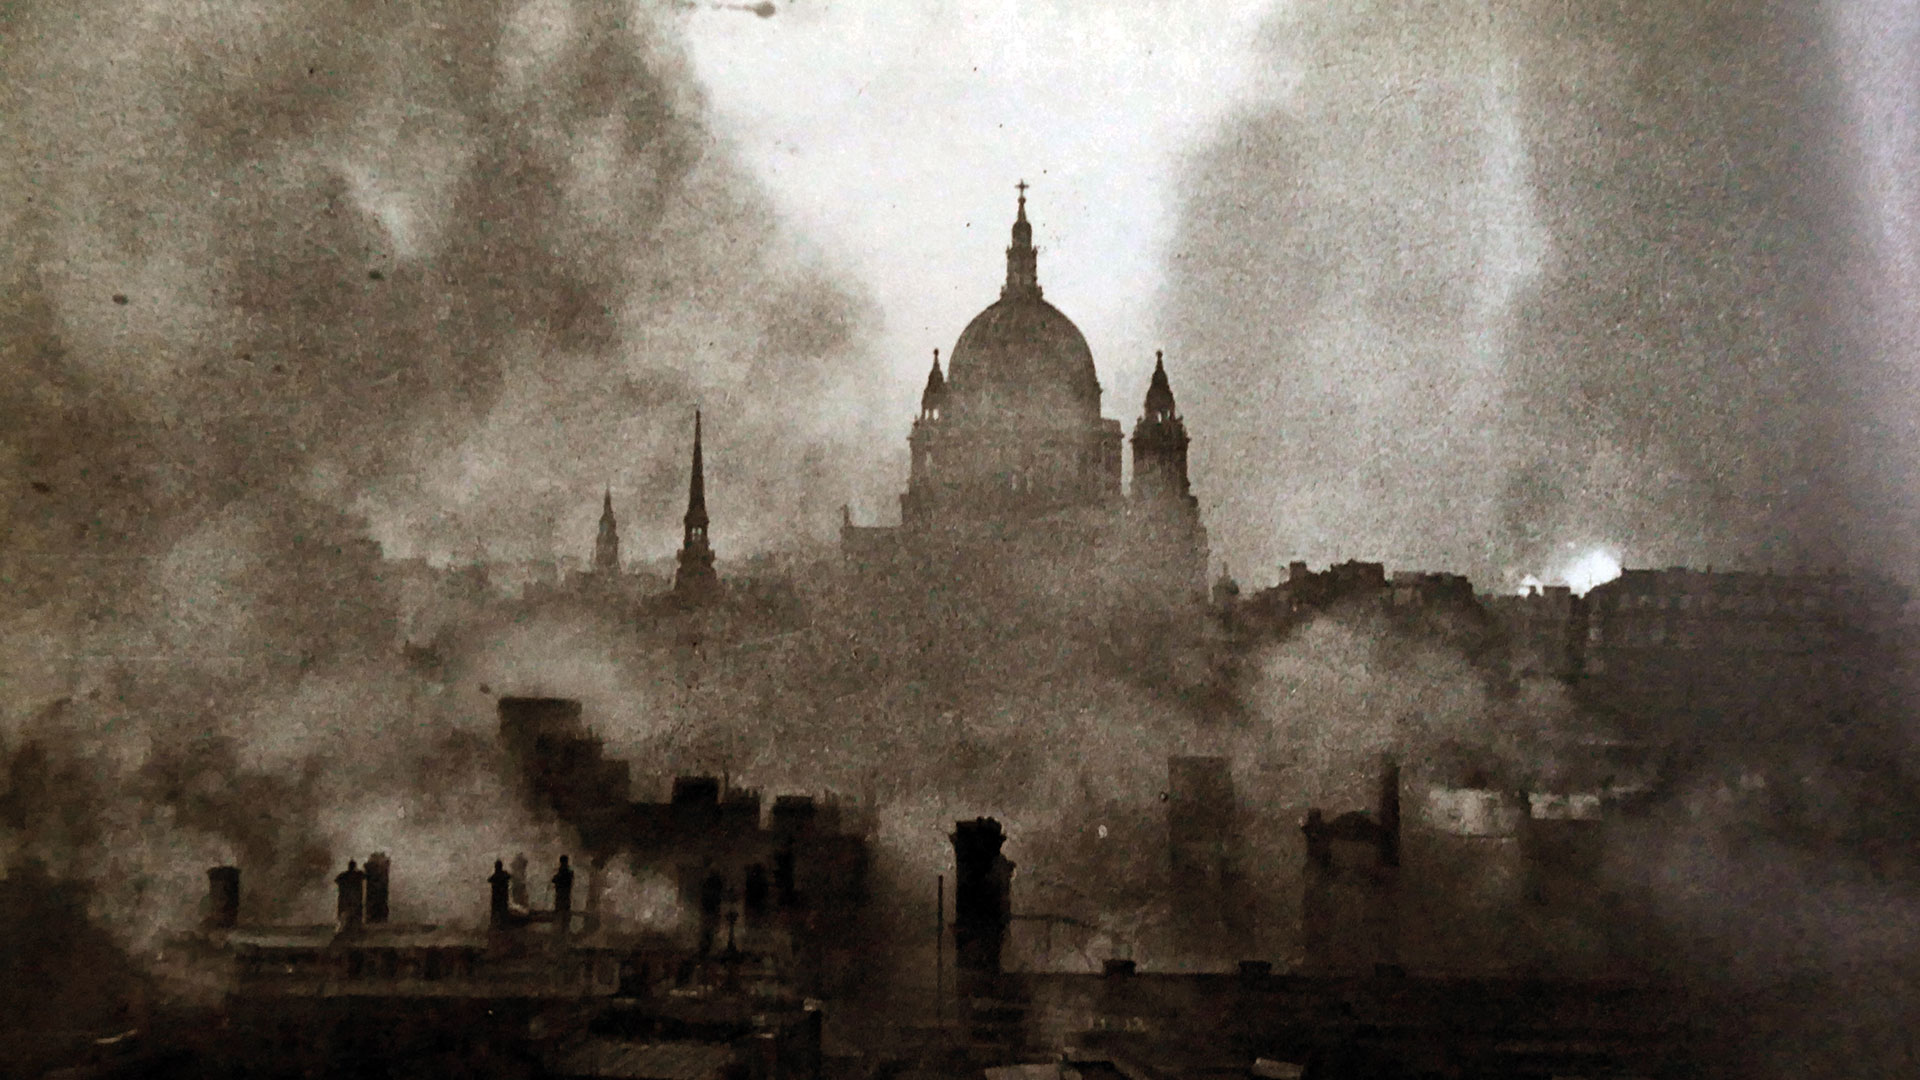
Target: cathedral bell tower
606	546
695	582
1160	447
1165	512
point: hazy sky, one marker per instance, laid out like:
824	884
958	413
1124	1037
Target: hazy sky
1470	286
893	134
1490	287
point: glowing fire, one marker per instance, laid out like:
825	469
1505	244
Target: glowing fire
1595	567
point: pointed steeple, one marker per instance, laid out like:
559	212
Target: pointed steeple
935	395
606	546
697	485
1160	408
1160	445
695	581
1023	275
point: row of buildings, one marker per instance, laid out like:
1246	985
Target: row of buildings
550	990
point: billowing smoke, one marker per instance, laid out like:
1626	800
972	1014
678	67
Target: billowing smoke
1481	287
1487	286
280	280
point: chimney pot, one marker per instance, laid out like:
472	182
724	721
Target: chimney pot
379	875
223	895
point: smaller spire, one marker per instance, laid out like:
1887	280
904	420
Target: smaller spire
606	546
935	395
695	580
1160	406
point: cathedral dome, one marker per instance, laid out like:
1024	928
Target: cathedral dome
1021	359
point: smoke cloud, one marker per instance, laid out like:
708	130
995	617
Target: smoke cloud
1481	288
279	280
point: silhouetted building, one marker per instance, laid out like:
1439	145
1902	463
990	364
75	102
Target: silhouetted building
606	546
796	883
378	870
223	896
695	582
1725	654
1203	845
352	906
518	998
1014	473
1350	910
1543	634
982	896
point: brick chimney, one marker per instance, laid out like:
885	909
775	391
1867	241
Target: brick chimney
563	897
982	894
223	897
352	906
379	873
498	909
1389	813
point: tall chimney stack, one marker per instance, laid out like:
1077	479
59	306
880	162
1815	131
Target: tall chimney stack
563	897
223	897
1390	813
352	908
498	909
982	895
378	875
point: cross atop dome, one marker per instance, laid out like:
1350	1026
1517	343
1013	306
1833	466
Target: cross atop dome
1023	276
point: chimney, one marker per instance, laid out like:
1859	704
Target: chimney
352	908
982	894
498	909
1390	813
223	897
1118	969
1319	847
378	875
563	897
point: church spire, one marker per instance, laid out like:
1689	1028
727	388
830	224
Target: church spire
935	395
1160	406
697	485
606	546
1023	275
695	581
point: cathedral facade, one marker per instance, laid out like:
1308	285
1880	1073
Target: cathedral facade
1012	461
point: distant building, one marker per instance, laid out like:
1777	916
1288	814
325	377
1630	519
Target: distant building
1358	586
1204	854
1714	654
1544	634
1015	473
1350	913
606	546
367	996
695	583
794	883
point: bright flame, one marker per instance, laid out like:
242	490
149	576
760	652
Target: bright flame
1596	567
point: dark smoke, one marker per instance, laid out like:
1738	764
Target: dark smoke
1487	283
277	282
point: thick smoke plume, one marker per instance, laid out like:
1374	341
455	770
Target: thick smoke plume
276	280
1481	285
